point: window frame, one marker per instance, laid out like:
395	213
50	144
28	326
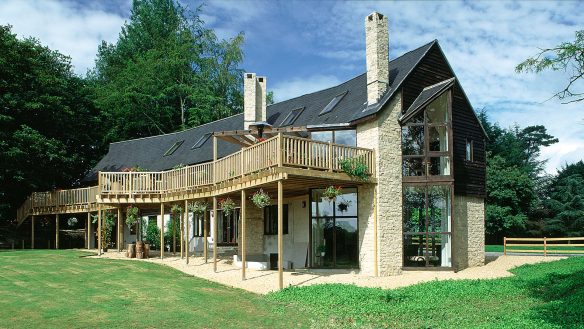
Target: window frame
201	141
333	103
292	117
469	150
173	148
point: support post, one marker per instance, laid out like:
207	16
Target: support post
330	156
99	230
119	228
205	235
214	158
187	237
161	230
215	233
280	149
243	234
88	230
504	246
280	234
544	246
32	232
57	231
173	220
182	235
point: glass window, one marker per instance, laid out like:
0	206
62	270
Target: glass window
437	111
413	167
438	139
469	150
291	117
439	208
322	136
439	166
414	209
271	219
346	137
201	141
413	140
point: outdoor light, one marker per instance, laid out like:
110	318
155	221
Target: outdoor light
260	127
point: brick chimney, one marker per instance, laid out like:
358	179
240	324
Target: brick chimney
377	56
254	99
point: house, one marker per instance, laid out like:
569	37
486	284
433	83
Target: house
400	144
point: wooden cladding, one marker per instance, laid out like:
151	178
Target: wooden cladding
277	151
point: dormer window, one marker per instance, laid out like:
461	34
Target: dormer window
173	148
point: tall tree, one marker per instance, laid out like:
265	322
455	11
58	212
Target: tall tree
563	57
49	130
166	72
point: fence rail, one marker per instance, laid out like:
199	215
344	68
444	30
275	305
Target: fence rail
277	151
544	245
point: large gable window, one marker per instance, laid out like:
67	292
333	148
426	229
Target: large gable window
426	139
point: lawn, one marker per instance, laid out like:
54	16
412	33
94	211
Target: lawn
63	289
499	248
541	296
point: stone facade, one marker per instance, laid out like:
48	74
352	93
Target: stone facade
468	232
383	135
377	56
254	229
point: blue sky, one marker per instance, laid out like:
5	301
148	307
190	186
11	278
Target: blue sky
304	46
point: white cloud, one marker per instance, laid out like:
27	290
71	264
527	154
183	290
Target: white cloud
61	26
298	86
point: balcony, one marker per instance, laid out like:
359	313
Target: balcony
282	154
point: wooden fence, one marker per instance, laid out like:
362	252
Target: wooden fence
544	245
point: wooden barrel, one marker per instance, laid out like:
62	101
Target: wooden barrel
139	255
131	253
146	250
139	246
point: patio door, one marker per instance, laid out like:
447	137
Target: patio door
334	239
427	239
227	227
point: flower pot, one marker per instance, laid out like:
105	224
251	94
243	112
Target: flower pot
131	253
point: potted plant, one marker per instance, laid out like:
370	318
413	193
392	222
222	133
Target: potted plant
261	199
227	205
322	250
131	216
355	167
343	205
331	193
107	227
198	207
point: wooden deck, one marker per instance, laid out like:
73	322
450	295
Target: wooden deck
304	162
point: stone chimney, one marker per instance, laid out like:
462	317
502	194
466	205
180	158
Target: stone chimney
377	56
254	99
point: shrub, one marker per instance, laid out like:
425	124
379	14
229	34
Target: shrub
153	236
355	167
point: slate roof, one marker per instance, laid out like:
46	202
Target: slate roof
149	152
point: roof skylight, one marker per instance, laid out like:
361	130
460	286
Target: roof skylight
201	141
173	148
331	105
292	116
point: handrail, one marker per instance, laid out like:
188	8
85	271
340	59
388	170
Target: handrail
278	151
544	246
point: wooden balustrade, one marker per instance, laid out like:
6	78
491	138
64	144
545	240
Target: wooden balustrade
280	150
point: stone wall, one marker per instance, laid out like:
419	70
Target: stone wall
468	232
383	135
254	229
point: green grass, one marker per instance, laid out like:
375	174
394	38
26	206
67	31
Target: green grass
62	289
499	248
541	296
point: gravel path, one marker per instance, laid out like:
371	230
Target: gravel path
262	282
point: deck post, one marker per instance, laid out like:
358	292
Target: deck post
504	246
544	246
57	231
205	235
173	220
99	230
214	158
161	230
280	149
187	237
215	233
88	230
119	242
330	156
243	234
182	234
280	234
32	232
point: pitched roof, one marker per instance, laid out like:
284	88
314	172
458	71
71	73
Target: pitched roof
149	152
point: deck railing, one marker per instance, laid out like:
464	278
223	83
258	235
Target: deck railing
572	245
277	151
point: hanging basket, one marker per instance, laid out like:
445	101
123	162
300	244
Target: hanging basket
227	205
331	193
261	199
198	207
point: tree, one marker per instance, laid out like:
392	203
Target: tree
563	57
166	72
49	130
